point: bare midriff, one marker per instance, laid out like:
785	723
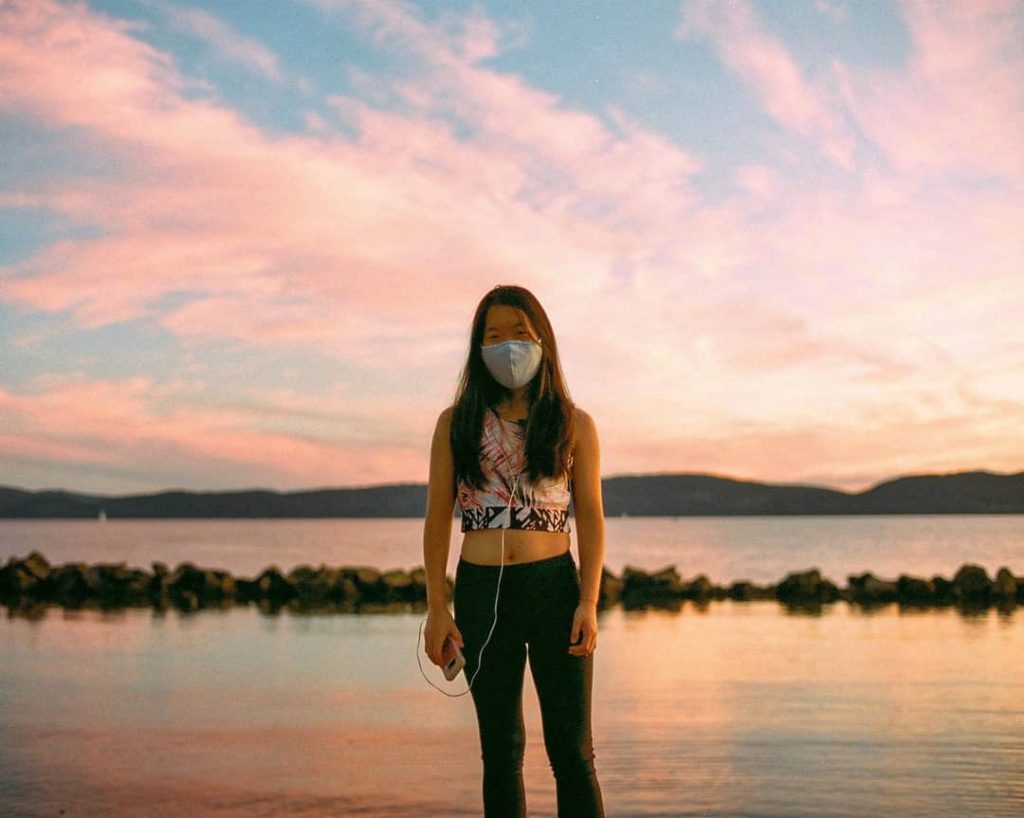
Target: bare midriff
484	546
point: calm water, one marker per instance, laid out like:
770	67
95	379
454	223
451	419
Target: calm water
731	710
761	549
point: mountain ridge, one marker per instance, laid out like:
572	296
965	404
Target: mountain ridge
663	494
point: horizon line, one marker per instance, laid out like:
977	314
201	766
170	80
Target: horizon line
400	484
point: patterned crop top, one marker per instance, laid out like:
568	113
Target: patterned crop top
542	506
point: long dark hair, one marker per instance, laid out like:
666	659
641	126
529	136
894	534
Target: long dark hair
549	425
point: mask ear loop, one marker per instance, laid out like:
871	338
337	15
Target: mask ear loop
494	622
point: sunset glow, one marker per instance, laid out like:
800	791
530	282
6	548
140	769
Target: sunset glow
241	245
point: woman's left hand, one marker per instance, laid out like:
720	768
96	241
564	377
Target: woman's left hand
584	622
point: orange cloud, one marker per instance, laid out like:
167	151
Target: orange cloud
125	424
842	308
959	102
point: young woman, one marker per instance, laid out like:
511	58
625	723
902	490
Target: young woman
513	450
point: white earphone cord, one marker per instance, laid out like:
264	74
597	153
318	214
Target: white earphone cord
501	570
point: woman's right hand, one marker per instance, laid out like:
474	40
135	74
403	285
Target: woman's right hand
440	626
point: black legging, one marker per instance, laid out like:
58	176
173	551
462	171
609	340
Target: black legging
535	607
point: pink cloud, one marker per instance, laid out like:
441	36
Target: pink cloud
959	102
127	423
759	181
532	128
225	42
209	204
759	59
787	306
475	37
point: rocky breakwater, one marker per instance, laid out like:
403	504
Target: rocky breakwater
970	588
30	582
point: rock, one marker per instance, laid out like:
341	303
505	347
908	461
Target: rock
206	585
16	580
943	593
745	591
114	584
418	590
971	585
667	580
37	565
868	589
634	577
344	590
302	573
741	590
221	583
806	586
611	588
699	588
313	587
32	580
1005	586
247	590
398	586
68	585
186	577
369	584
273	587
158	590
27	577
640	588
914	590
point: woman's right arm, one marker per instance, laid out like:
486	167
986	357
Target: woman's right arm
437	528
437	535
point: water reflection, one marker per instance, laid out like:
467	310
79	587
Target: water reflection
714	708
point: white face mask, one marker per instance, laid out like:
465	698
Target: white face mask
512	363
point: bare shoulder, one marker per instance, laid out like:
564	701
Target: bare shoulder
444	420
585	430
586	467
584	422
442	429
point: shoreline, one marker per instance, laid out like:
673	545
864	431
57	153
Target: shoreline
32	581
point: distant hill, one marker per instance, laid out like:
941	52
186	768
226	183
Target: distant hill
663	495
670	495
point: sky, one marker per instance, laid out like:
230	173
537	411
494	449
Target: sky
241	243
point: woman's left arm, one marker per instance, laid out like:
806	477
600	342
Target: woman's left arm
589	510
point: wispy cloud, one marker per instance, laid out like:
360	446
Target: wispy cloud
127	423
772	72
958	105
781	321
225	42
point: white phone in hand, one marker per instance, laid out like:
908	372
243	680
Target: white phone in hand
456	663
